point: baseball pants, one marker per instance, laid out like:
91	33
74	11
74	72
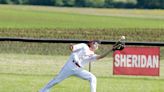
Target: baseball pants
76	71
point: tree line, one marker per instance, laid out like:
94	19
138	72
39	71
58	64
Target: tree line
149	4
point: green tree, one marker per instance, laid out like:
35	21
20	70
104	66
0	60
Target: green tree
120	3
150	3
2	1
98	3
109	4
41	2
23	1
94	3
131	3
12	1
69	2
162	4
80	3
58	2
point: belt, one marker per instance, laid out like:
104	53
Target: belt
76	63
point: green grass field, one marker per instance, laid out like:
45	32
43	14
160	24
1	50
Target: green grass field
76	23
49	17
29	73
27	67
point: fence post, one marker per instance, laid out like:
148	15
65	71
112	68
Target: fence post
89	66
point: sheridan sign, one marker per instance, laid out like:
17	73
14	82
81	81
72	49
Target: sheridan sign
137	61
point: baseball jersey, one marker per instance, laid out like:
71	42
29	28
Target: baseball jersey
82	54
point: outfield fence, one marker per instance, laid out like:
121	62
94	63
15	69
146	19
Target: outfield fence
77	41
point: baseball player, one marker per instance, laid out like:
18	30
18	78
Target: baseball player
81	55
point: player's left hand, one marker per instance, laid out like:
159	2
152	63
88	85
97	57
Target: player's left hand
118	46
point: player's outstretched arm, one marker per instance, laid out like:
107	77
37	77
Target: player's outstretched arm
103	55
118	46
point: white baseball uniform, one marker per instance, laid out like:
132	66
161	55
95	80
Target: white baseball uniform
80	56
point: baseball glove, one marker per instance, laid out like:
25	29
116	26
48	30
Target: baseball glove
118	46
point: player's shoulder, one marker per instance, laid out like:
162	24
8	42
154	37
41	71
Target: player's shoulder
82	44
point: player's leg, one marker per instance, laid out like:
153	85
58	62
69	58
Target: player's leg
88	76
64	73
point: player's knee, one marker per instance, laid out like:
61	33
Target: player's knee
93	79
